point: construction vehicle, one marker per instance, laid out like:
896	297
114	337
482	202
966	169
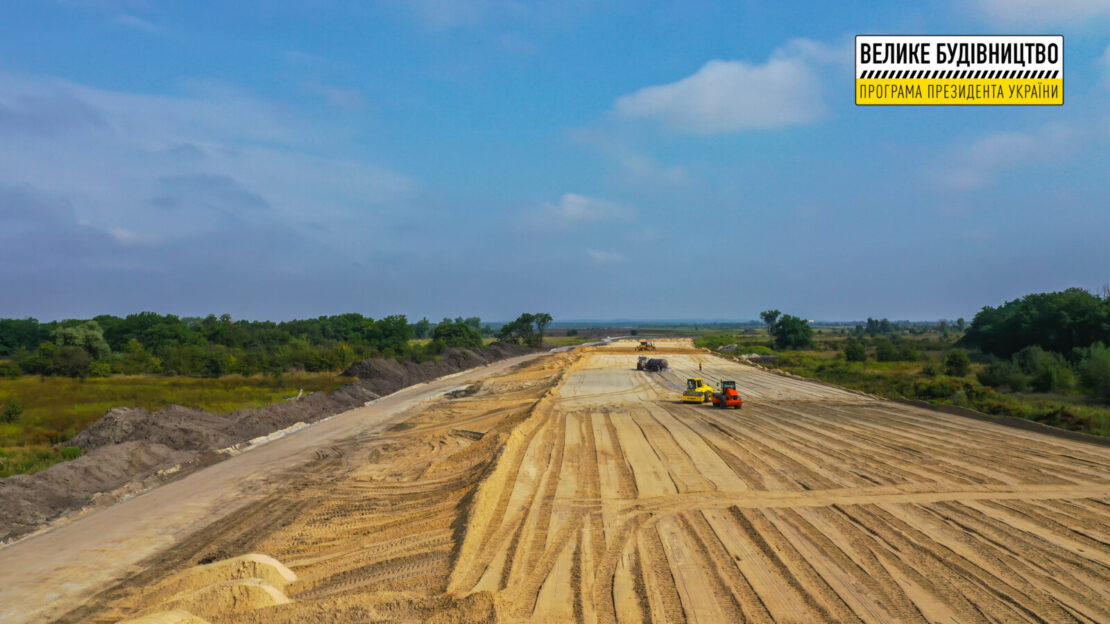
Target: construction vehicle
727	396
640	362
645	345
697	391
655	365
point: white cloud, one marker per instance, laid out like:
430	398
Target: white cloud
1008	13
1104	65
632	165
979	164
446	14
137	23
148	168
573	209
598	256
347	99
730	96
643	169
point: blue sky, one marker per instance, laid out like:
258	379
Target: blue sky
479	157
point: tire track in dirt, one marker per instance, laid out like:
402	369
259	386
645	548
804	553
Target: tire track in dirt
729	587
584	491
1026	577
820	602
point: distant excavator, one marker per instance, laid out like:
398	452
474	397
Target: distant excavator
645	345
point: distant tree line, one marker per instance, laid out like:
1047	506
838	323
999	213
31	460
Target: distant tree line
151	343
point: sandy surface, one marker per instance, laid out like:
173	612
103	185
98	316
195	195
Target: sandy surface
579	489
48	573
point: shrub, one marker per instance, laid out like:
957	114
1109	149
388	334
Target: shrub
906	353
854	351
755	350
1094	370
71	452
957	363
11	411
10	369
71	361
100	369
885	351
1003	373
1055	376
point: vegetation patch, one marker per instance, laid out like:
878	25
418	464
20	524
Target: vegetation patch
37	414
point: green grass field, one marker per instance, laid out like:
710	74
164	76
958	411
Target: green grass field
567	341
923	379
57	408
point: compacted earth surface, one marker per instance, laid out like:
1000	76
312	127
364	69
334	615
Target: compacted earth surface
572	487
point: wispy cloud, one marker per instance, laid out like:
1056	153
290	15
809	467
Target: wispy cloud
136	23
732	95
598	256
445	14
170	183
347	99
632	165
573	209
979	164
1103	64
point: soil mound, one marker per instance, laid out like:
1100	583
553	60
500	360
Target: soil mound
32	500
131	444
384	375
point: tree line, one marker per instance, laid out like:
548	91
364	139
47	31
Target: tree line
151	343
1046	342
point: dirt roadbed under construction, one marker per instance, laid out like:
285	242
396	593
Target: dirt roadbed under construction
574	488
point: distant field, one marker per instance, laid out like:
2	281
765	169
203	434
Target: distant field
57	408
922	378
424	341
567	340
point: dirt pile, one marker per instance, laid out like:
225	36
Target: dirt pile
132	444
32	500
365	536
384	376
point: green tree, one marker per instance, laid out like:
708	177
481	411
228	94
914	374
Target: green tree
769	318
854	351
1058	321
421	328
87	336
541	320
526	329
456	334
136	360
885	351
71	361
792	332
1094	370
572	332
957	363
